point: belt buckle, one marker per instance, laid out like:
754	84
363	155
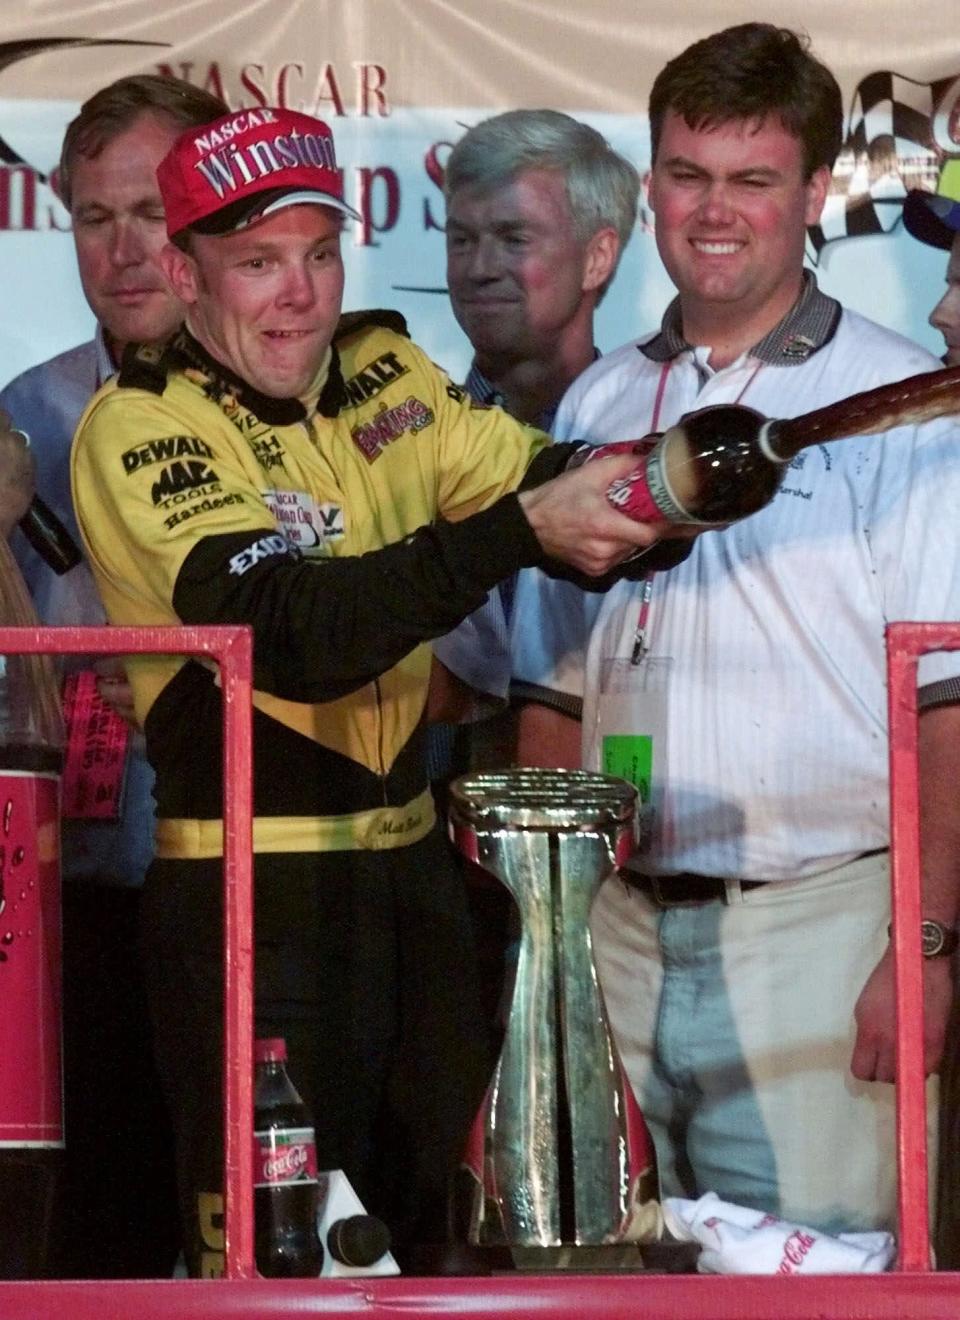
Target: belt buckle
665	900
733	893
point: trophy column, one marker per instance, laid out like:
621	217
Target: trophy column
562	1163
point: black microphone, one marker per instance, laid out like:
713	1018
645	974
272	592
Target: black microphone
41	526
48	536
359	1240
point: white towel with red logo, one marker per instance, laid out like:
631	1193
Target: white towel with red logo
735	1240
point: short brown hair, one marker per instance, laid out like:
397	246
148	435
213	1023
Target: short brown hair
112	110
753	71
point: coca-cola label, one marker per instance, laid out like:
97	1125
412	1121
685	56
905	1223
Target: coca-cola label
639	494
31	1088
284	1155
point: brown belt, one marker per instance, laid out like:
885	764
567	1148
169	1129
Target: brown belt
671	890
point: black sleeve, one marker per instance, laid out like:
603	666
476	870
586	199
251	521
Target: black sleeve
323	628
657	559
549	462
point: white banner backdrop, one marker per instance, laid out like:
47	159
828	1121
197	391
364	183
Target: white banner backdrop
400	79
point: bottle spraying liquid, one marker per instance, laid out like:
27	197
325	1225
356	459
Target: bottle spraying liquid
725	462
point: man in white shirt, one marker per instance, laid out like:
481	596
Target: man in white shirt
744	957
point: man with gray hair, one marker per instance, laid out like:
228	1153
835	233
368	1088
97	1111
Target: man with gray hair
539	210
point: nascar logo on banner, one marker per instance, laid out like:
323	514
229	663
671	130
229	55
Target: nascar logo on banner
399	84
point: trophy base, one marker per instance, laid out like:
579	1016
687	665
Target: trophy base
465	1258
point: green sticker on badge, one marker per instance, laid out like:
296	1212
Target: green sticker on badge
630	757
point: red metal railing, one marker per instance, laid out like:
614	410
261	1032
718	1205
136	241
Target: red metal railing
914	1292
906	642
232	650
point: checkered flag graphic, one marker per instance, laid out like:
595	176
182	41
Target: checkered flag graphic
888	149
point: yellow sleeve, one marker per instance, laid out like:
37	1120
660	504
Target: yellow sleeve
151	477
482	452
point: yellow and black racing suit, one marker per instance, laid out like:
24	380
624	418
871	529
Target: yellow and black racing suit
203	502
340	537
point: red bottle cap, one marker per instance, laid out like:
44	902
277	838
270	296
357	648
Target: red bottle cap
273	1050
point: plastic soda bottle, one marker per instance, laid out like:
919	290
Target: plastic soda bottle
284	1172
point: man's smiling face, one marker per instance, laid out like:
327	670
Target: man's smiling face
265	300
732	207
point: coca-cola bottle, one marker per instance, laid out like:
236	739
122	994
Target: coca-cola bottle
725	462
31	1084
711	468
285	1171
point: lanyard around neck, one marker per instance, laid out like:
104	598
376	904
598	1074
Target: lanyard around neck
641	633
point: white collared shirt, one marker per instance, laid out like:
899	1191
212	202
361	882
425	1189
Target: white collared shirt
777	749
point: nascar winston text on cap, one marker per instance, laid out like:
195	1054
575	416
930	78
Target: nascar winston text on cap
245	166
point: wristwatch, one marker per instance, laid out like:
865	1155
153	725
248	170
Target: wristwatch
936	939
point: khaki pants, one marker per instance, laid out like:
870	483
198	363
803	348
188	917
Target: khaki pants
735	1023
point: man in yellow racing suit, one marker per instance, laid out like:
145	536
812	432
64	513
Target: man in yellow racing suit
321	480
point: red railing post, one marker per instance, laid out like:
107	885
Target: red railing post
905	643
232	649
236	670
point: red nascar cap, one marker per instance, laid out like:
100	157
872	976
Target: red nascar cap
246	165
